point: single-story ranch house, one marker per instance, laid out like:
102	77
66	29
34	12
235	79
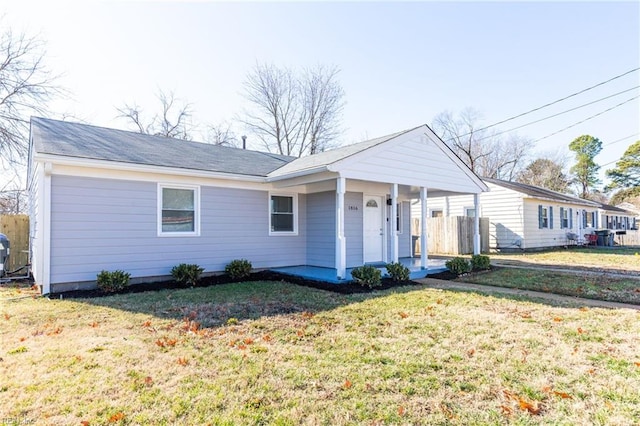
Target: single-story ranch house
111	199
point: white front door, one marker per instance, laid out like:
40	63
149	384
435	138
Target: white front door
373	235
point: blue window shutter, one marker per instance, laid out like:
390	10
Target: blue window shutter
595	220
584	218
550	217
561	217
539	216
571	218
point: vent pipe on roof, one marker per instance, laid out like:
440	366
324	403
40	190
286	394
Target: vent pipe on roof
244	142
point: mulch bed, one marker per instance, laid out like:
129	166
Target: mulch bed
346	288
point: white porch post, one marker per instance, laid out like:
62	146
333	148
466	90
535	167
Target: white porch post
341	246
424	256
476	223
393	221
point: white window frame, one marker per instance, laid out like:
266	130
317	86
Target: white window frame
466	211
196	212
545	217
294	196
432	211
564	218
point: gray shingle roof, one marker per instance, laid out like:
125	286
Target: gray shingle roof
537	192
99	143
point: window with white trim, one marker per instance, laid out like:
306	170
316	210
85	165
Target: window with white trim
470	211
178	210
437	213
283	214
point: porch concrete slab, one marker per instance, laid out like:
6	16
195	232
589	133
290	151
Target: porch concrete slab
330	275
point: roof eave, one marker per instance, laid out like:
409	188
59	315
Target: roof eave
298	173
135	167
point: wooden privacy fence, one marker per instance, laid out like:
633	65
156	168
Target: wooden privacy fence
16	228
631	238
453	235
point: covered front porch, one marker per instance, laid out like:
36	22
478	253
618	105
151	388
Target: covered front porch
330	275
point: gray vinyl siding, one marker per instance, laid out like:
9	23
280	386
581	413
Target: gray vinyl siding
354	228
321	229
111	224
404	238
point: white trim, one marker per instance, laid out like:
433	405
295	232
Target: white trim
424	256
476	225
393	223
45	228
116	165
341	242
196	208
383	212
294	196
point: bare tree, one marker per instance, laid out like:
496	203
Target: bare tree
26	86
171	122
484	152
294	114
221	134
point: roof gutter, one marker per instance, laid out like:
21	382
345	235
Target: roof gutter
299	173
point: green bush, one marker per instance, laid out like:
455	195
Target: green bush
112	281
480	262
238	269
367	275
458	265
397	271
187	274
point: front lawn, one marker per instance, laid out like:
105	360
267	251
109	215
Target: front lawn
580	284
622	259
276	353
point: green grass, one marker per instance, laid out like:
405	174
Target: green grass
589	285
276	353
623	259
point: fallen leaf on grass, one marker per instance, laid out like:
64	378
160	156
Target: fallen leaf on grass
248	341
7	316
507	411
93	324
148	381
562	395
557	319
470	352
266	338
531	407
401	411
84	423
183	361
56	330
116	417
580	330
584	308
637	364
403	315
146	324
347	384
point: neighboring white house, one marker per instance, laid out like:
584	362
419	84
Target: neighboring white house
111	199
522	216
616	218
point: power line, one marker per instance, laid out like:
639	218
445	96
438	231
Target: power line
587	119
554	115
621	139
559	100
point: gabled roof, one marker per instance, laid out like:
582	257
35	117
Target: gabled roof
62	138
321	160
542	193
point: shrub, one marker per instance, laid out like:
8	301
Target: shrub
367	275
458	265
480	262
187	274
397	271
112	281
238	269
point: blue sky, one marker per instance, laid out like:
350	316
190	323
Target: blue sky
401	63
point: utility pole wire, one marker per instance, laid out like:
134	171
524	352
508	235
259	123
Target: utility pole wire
555	115
559	100
621	139
587	119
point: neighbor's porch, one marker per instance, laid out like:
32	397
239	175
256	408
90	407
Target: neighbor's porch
331	274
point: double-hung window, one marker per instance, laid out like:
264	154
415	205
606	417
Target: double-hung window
283	214
178	210
545	217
